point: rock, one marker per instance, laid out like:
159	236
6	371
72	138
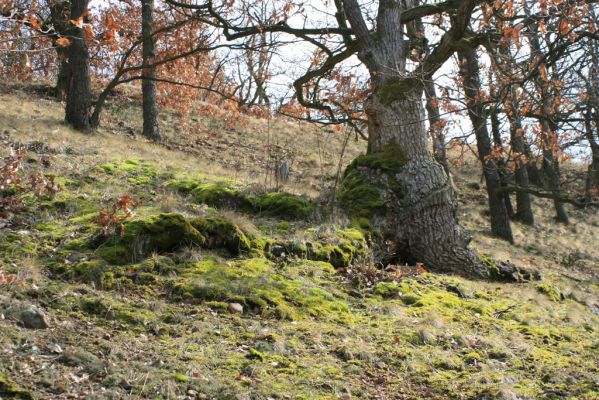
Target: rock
277	251
82	358
473	185
235	308
455	289
33	318
28	315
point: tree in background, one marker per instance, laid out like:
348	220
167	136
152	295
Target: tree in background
79	96
151	128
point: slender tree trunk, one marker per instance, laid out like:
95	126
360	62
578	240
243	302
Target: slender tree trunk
503	172
523	201
520	150
500	222
592	183
78	106
59	16
592	123
434	120
61	89
151	127
550	164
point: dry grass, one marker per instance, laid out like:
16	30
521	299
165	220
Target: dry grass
238	152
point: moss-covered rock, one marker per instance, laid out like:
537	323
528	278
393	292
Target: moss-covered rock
220	195
550	290
283	205
158	233
221	233
94	272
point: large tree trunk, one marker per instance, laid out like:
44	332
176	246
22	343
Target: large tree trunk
151	127
78	106
500	222
398	184
420	203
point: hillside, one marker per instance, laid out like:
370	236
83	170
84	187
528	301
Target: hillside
222	288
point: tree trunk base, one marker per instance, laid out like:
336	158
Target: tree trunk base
414	207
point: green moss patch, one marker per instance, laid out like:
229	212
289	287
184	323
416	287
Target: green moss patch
220	233
224	194
260	288
357	194
158	233
136	172
283	205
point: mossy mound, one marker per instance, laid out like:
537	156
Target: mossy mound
283	205
220	233
159	233
340	249
225	194
219	195
259	288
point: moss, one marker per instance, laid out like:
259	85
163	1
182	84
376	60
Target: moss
158	233
282	227
255	285
472	357
386	290
357	197
136	172
283	205
9	390
117	311
219	232
397	89
220	195
551	291
181	378
94	272
363	199
254	354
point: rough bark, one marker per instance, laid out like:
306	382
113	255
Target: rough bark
78	108
151	126
500	223
420	204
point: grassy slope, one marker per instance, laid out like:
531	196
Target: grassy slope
159	328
